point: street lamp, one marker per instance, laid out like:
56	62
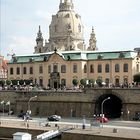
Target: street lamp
29	111
102	108
2	103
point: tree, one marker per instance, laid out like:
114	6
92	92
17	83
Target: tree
99	82
136	78
8	82
21	82
75	82
83	82
2	82
14	82
91	81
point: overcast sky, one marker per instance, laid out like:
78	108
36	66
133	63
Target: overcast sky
116	23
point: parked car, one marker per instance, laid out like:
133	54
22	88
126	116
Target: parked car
54	118
103	120
21	115
24	116
137	117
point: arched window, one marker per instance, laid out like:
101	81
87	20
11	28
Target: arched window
125	67
85	68
117	68
91	69
63	69
107	68
99	68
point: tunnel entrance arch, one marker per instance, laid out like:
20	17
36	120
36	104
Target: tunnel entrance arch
112	107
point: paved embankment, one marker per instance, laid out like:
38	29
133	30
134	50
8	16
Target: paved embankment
7	128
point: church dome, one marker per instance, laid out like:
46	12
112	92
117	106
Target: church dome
66	23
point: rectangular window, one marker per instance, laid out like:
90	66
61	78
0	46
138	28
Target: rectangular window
74	68
99	68
63	69
31	70
24	70
18	70
11	71
49	69
107	68
85	68
55	68
125	67
91	69
41	69
117	68
41	82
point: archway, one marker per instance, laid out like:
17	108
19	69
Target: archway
111	108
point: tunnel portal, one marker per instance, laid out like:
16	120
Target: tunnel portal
112	107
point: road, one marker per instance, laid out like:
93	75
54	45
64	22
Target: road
79	121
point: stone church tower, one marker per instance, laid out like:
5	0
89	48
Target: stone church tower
65	31
92	41
39	42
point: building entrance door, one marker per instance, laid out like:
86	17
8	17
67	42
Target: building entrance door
54	80
55	85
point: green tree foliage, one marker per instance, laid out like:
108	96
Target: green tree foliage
2	82
75	82
91	81
99	82
83	82
14	82
8	82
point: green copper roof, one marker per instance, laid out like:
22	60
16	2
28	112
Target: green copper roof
109	55
75	55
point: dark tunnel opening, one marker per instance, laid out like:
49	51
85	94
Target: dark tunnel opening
111	108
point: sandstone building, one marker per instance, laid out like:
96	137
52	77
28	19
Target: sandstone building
65	56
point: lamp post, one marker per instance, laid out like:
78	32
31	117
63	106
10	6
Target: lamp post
2	103
102	108
29	111
8	104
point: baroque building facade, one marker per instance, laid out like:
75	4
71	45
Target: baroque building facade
65	56
3	68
